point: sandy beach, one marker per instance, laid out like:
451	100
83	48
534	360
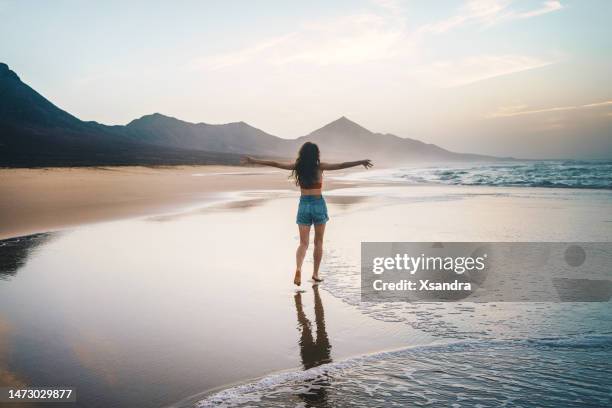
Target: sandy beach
48	199
173	287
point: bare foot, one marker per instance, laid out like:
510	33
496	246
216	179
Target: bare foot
298	278
316	278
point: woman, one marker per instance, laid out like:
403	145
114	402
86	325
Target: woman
308	174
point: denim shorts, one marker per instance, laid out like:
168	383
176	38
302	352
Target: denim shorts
312	210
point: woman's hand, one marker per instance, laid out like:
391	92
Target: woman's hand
247	160
366	163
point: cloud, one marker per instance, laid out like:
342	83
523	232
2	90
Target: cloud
520	110
391	6
448	74
381	34
483	12
486	13
356	38
244	55
597	104
547	7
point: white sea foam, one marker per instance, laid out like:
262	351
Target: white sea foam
295	382
548	173
253	391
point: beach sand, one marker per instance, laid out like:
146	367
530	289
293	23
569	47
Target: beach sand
48	199
149	310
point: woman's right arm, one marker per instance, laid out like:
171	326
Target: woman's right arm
339	166
271	163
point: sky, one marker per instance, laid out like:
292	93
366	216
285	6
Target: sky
514	78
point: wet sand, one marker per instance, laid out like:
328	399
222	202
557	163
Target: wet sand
146	312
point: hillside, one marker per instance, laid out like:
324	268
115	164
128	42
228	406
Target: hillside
34	132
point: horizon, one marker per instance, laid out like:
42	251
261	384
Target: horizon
503	78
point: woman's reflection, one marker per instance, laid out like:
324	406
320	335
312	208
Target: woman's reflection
14	252
313	352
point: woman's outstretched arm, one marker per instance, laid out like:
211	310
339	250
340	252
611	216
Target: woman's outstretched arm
271	163
339	166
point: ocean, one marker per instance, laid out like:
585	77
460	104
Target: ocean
544	173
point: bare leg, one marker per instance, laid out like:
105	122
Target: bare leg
318	250
301	253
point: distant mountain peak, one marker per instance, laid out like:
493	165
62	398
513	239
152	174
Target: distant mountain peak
157	115
5	72
153	118
342	125
343	121
157	118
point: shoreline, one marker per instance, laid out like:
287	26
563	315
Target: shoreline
40	200
285	375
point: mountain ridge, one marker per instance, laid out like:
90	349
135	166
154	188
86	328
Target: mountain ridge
35	132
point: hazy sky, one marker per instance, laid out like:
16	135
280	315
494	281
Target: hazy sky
522	78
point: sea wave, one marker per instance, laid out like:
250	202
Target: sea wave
443	374
551	174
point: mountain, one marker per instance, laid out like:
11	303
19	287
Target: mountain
344	138
35	132
238	137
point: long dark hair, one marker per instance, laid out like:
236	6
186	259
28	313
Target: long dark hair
306	172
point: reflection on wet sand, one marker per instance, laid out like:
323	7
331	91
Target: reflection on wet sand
238	201
8	378
224	206
345	201
314	352
239	205
14	252
97	354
